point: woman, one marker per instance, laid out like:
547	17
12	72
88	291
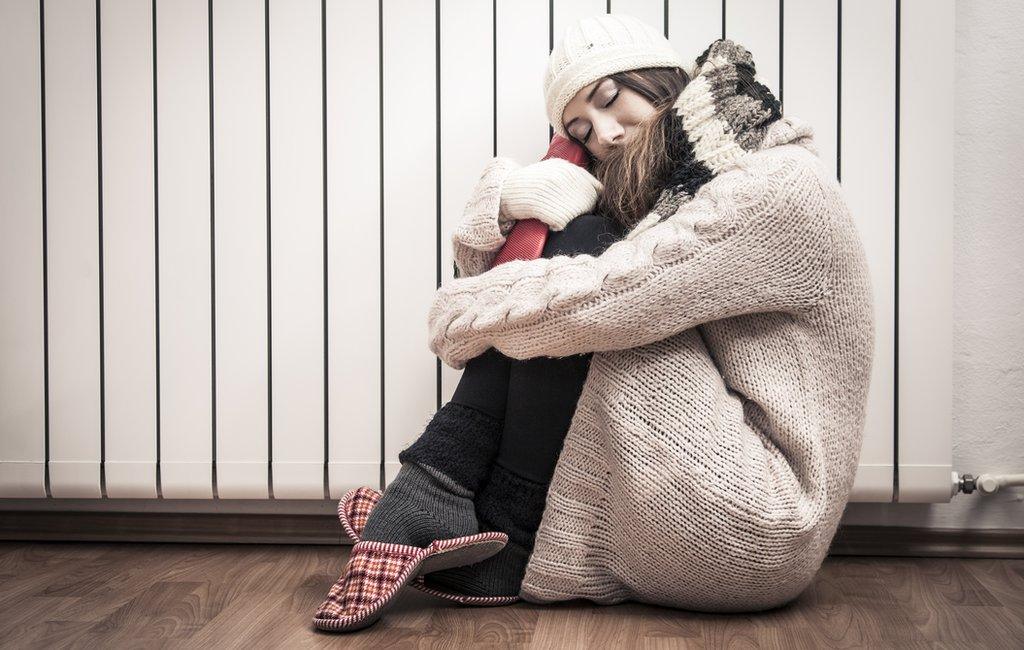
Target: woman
485	460
714	442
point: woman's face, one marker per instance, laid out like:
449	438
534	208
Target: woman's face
604	115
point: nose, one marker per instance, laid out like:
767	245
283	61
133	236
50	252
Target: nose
609	132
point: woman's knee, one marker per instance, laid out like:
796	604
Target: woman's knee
587	233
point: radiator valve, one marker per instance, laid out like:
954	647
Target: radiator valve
986	483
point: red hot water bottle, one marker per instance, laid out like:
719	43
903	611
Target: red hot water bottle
526	239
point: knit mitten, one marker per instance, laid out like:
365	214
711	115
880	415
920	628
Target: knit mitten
511	504
432	495
554	191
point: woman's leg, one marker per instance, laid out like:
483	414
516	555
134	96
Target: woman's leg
542	397
432	496
484	384
543	391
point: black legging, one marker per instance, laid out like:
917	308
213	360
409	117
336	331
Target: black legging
536	397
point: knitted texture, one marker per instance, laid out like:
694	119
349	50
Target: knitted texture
483	229
419	506
554	191
513	505
459	441
597	46
717	435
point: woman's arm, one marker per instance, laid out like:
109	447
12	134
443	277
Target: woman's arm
750	241
553	191
483	229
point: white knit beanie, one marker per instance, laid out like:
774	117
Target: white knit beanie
597	46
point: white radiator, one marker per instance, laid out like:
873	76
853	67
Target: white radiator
221	224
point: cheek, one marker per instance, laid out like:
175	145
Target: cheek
638	109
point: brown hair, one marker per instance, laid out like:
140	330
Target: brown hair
634	175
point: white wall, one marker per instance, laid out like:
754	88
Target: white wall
988	292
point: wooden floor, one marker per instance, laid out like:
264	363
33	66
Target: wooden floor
256	596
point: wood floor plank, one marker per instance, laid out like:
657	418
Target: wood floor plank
42	568
849	603
18	620
927	590
1004	580
102	590
18	557
59	595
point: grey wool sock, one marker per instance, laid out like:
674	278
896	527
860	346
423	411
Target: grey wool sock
514	505
420	505
432	496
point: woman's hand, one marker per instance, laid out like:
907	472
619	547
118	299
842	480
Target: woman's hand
555	191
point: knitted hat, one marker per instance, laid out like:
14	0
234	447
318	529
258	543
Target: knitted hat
597	46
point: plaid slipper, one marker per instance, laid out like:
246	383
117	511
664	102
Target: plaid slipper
377	571
353	511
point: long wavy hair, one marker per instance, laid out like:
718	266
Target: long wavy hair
634	175
659	155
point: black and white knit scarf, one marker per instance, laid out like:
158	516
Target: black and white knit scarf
722	113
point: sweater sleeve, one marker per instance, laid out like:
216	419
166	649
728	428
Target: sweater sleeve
482	231
750	241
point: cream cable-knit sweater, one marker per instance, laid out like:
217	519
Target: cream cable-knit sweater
718	432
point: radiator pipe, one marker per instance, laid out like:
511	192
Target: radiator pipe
986	483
